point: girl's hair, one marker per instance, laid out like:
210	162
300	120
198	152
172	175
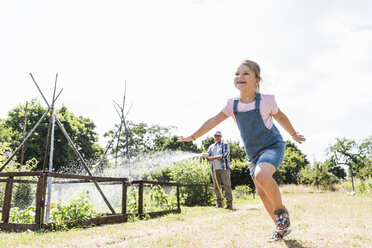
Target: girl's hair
254	67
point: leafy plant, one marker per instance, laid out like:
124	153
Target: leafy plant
361	186
242	191
192	171
79	208
239	172
317	175
22	216
294	161
162	201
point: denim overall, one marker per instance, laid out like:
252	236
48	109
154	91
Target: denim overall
261	144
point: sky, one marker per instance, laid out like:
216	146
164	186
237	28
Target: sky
179	58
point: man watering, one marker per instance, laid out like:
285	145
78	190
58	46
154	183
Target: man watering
219	155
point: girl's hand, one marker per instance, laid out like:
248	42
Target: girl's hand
190	138
298	137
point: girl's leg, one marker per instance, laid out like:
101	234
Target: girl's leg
271	198
265	200
265	181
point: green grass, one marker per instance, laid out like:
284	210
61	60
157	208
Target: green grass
319	219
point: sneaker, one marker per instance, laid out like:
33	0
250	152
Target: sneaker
278	236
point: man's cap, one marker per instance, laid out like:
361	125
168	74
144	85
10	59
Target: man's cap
217	133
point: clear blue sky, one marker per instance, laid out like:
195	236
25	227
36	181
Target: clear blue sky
179	59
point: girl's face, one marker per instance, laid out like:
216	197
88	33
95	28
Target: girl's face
245	79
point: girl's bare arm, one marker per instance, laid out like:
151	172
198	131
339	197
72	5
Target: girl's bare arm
286	124
207	126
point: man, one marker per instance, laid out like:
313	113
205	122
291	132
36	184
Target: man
219	154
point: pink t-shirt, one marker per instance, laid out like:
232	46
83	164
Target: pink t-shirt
268	108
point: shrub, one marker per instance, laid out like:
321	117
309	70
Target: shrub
79	208
360	186
240	174
192	171
22	216
161	201
317	175
242	191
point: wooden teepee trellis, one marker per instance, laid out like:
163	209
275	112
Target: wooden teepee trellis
50	138
43	182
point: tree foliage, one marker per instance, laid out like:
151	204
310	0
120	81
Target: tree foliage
192	171
317	175
80	129
357	156
143	137
294	161
239	173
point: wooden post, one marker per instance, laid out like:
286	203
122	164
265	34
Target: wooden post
124	198
178	197
7	199
40	200
206	194
140	198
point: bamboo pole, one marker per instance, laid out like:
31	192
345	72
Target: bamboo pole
50	167
74	148
83	162
24	132
107	148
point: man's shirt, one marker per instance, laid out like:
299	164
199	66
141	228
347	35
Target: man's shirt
222	149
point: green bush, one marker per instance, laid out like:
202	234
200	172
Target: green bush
161	201
317	175
79	208
192	171
240	174
163	174
361	186
22	216
242	192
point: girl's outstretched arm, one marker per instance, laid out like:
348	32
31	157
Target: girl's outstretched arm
208	125
286	124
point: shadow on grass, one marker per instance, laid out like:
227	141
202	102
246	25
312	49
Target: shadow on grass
245	209
292	243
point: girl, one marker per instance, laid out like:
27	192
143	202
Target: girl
264	145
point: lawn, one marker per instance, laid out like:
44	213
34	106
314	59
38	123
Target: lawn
319	219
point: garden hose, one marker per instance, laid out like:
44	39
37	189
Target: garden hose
216	181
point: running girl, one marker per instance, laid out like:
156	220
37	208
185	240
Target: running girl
263	143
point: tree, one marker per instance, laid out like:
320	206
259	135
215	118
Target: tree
294	161
236	151
148	138
334	168
207	142
358	157
170	143
240	174
80	129
317	175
